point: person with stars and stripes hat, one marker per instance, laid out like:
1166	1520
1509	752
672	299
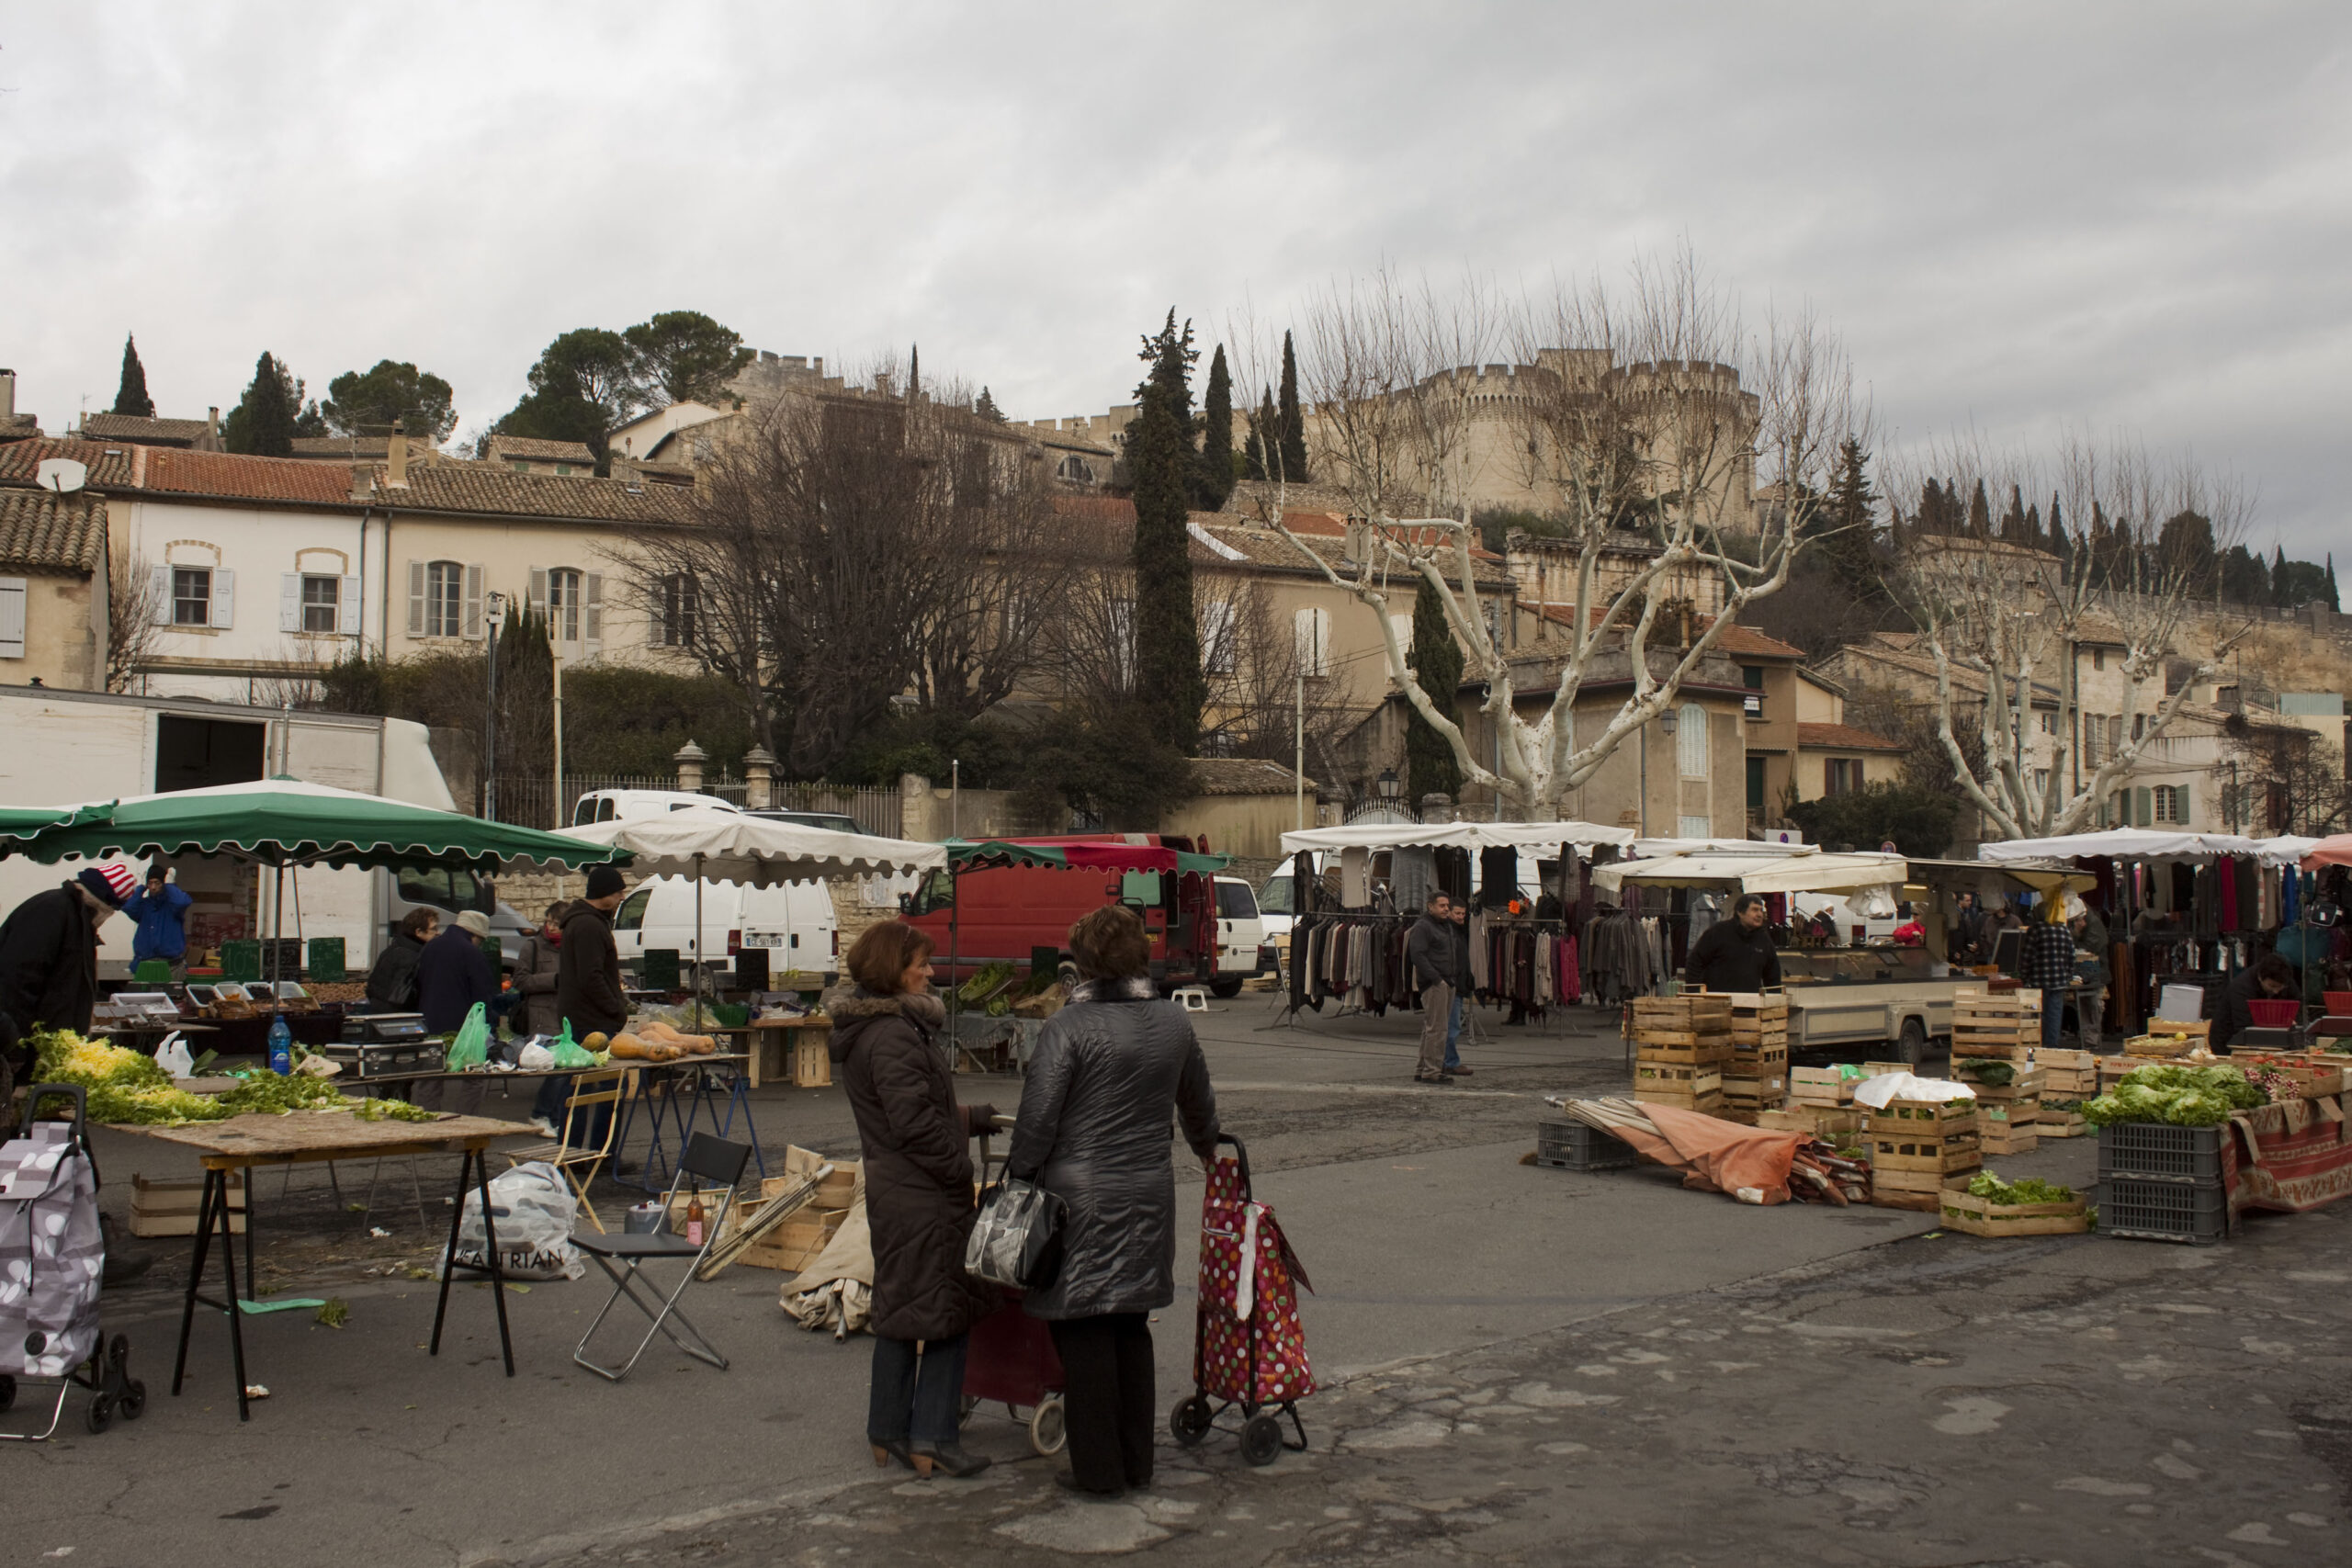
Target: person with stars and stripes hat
48	954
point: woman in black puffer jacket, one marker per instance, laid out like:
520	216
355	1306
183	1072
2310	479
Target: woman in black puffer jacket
1094	1130
919	1201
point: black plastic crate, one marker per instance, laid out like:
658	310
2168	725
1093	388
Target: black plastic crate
1574	1145
2150	1151
2136	1209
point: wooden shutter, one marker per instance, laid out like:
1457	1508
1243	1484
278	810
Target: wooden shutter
416	598
289	602
2141	808
592	609
2181	805
347	614
472	622
224	599
12	617
159	584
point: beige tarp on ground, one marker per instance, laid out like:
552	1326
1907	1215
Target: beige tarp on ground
836	1291
1715	1156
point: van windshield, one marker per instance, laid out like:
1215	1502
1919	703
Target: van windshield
631	914
1273	899
935	893
445	888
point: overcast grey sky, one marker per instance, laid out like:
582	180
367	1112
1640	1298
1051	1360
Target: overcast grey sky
2114	217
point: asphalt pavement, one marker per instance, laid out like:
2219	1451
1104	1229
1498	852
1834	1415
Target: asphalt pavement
1517	1362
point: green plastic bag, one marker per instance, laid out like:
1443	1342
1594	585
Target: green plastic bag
471	1047
567	1055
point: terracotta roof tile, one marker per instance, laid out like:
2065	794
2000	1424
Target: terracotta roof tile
110	466
171	471
41	529
1243	775
540	451
132	427
1843	738
1736	639
448	486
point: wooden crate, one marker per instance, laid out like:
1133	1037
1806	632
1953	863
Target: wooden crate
170	1208
1754	1085
2070	1086
812	1062
2159	1047
1971	1215
1681	1050
1924	1118
1669	1083
1937	1155
2051	1123
2015	1141
1823	1122
1760	1058
1692	1009
2055	1061
2112	1068
1917	1191
792	1246
1821	1086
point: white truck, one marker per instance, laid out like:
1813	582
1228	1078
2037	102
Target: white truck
71	748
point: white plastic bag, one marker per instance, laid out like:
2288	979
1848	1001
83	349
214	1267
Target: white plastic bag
534	1059
173	1056
533	1211
1875	1092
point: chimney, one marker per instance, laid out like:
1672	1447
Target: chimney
212	421
363	481
396	458
7	396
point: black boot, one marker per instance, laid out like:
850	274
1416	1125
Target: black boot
949	1458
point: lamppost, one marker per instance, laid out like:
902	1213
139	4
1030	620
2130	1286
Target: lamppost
1389	788
495	617
1666	721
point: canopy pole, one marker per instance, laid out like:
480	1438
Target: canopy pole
276	930
699	942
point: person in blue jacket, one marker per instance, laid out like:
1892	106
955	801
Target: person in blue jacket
161	911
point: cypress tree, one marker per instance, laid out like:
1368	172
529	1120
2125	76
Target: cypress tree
263	423
1980	515
1215	466
131	396
1293	433
1170	689
914	370
1253	446
2013	520
2059	544
2281	586
1430	767
2333	604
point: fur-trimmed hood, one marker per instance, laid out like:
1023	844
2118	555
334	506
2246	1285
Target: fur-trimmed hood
852	1008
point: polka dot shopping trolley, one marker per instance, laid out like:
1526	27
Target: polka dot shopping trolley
1248	1352
52	1259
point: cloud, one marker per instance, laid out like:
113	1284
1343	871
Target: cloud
2107	217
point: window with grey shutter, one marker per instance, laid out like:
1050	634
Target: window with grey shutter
12	617
224	599
592	609
347	606
289	602
159	589
416	600
473	600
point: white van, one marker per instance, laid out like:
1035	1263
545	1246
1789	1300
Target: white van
627	805
795	922
1241	937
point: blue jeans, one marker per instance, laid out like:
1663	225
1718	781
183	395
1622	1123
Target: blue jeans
2053	1007
917	1400
1454	1034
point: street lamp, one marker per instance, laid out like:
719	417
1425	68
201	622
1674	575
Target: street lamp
495	617
1389	786
1666	721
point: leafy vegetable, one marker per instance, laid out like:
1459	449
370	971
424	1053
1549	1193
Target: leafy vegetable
1990	1187
989	978
123	1085
390	1110
267	1093
2176	1094
2000	1075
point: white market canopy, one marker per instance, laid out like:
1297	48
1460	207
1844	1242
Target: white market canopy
1766	873
2146	843
1455	834
718	844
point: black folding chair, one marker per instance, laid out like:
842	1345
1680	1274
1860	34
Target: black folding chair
706	1159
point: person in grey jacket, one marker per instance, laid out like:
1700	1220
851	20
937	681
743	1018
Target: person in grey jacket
1435	958
1094	1130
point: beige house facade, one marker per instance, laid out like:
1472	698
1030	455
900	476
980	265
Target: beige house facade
53	588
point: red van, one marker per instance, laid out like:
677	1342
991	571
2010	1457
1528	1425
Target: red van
1000	908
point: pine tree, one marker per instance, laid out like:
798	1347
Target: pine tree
1293	452
1214	472
131	397
1170	689
1430	767
264	421
985	406
1253	446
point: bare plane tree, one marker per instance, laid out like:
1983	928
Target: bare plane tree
135	612
2012	629
1639	421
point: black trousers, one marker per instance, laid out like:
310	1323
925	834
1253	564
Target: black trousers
1107	1397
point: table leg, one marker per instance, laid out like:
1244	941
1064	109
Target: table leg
251	1191
449	1258
195	1276
740	1098
229	1275
474	1172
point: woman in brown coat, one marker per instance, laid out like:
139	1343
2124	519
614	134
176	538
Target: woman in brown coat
919	1201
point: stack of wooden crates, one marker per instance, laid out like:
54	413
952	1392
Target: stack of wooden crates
1918	1147
1681	1047
2005	1028
1756	1076
1821	1102
2067	1078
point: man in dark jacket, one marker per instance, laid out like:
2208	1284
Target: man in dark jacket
1736	955
2268	979
1431	951
1460	917
453	974
49	951
588	996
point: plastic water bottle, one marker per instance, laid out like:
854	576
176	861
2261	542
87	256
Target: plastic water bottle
281	1046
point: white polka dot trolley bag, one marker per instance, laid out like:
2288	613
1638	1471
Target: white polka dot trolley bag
1248	1353
51	1258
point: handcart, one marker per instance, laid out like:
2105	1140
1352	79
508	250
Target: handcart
1011	1362
1247	1351
52	1258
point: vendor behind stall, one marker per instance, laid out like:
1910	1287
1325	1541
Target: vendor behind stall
161	911
48	956
1736	955
2266	980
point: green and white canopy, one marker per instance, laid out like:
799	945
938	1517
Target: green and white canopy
285	822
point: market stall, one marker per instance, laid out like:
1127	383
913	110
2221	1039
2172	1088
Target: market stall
2181	908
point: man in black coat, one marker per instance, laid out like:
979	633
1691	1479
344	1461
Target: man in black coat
1736	955
453	974
588	996
49	952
